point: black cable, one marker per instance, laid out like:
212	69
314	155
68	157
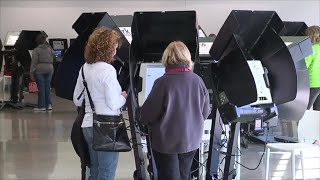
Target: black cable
225	134
220	170
226	154
137	144
264	150
232	171
239	151
142	133
137	131
201	165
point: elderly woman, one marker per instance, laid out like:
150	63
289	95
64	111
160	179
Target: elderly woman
175	111
106	95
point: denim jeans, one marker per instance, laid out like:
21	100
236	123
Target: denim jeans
44	86
103	164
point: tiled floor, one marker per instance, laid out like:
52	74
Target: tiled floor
36	146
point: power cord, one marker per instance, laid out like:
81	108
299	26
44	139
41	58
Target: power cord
264	150
200	165
224	131
203	165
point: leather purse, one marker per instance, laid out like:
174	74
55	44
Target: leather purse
109	132
33	88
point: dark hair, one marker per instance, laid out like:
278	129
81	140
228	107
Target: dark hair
212	35
41	39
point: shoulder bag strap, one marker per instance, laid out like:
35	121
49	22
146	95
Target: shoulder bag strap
81	93
89	95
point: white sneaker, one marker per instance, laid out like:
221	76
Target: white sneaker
49	107
39	109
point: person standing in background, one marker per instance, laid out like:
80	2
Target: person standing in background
314	33
41	71
313	65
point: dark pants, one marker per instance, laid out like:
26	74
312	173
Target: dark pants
316	104
314	93
17	83
173	166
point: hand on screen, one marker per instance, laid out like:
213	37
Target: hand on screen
124	94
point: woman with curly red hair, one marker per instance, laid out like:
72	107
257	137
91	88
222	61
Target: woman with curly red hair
106	94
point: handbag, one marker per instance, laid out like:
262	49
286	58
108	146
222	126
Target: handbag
78	141
33	88
109	132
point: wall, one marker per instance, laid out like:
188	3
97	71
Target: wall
57	16
211	15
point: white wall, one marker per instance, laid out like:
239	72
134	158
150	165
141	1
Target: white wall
57	16
211	15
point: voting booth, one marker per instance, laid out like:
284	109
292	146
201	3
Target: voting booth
73	58
253	73
152	32
18	60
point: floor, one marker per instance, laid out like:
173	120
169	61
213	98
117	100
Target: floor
36	146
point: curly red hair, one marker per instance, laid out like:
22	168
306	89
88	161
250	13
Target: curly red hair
100	46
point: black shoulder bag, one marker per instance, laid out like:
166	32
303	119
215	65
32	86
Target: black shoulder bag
109	132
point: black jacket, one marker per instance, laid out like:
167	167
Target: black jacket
79	143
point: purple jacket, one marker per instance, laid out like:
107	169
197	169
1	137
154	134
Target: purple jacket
175	111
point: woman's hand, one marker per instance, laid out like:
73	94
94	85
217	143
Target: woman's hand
124	94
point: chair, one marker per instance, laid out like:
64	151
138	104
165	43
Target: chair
308	131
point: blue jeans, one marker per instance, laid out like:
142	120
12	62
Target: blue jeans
103	164
44	86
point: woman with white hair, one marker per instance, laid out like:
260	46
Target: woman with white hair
175	111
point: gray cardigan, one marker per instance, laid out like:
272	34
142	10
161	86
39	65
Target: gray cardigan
42	60
175	111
